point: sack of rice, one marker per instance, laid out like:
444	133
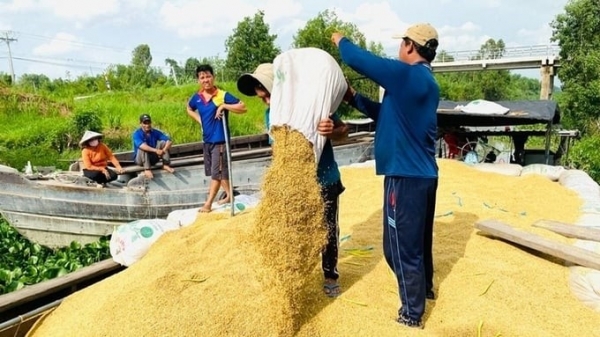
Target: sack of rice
309	85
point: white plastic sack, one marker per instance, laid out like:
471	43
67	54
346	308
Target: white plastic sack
309	86
585	284
481	106
513	170
589	220
186	217
580	182
131	241
551	172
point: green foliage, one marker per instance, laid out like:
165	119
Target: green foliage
45	130
25	263
585	156
317	33
577	31
86	120
250	45
493	85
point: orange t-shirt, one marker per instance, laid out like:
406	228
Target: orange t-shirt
96	159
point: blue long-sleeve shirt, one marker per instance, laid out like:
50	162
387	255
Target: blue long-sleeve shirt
406	119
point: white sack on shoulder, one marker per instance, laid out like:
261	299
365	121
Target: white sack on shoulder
309	86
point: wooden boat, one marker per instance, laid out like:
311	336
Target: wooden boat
56	208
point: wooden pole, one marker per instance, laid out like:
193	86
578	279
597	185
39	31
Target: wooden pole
570	231
563	251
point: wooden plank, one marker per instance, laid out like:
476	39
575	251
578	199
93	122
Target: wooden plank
569	230
29	293
563	251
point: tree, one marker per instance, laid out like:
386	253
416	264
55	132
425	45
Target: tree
190	68
141	57
491	50
317	33
250	45
443	56
492	85
176	69
577	31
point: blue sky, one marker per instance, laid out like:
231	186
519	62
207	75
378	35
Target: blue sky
56	36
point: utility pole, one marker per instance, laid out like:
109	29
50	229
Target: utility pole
8	39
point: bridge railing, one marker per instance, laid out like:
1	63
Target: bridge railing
550	51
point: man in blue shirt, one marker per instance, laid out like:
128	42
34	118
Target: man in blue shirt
149	146
260	83
207	107
406	126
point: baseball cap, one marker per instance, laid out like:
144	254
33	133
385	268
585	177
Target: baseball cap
263	75
145	118
421	34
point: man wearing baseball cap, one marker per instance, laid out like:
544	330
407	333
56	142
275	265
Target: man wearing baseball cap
150	145
260	83
406	127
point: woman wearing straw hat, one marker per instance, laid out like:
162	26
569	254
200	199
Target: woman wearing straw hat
95	156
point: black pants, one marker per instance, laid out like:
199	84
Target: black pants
330	194
408	214
100	177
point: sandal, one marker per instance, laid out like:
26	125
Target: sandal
331	289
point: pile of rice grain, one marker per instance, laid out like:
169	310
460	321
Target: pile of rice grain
289	231
480	282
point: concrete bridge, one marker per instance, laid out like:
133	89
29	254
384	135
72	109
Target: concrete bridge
544	57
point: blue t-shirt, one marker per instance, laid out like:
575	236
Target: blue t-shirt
328	172
212	128
139	137
406	119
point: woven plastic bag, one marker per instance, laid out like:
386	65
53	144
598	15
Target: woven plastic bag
131	241
308	86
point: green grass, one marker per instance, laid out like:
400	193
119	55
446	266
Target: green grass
29	124
120	111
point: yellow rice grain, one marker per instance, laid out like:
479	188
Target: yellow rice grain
289	230
509	290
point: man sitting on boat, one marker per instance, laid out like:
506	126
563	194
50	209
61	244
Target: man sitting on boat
150	146
95	156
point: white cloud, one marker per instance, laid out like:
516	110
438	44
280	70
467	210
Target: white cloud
66	9
186	17
466	37
62	43
539	36
17	6
4	26
81	10
377	21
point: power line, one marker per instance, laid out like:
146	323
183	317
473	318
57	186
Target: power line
8	38
99	46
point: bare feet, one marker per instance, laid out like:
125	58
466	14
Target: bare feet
168	168
205	209
224	201
148	174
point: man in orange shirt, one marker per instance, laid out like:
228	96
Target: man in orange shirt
95	156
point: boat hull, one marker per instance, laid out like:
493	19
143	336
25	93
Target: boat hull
56	212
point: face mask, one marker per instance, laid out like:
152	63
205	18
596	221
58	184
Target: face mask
93	142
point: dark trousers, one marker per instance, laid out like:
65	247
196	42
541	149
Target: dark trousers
330	194
100	177
148	159
408	214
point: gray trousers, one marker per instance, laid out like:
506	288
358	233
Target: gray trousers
148	159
